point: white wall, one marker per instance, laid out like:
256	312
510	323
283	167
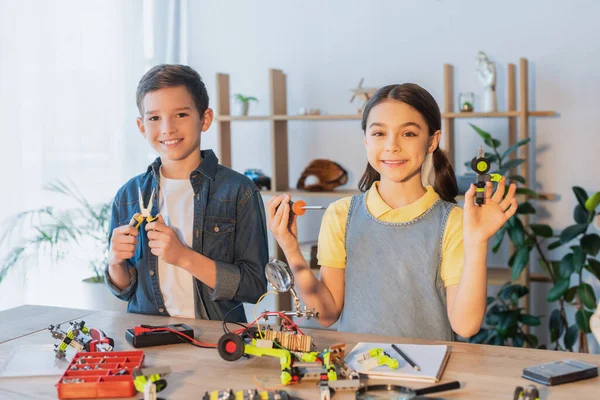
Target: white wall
325	47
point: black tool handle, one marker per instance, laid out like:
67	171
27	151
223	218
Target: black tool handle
438	388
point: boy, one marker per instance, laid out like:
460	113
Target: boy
206	252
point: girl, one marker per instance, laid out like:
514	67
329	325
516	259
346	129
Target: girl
401	258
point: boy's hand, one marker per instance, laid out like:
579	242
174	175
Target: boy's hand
284	230
164	242
481	222
122	244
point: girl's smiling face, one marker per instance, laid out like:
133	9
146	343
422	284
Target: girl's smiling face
397	140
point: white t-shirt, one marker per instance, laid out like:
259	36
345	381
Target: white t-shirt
176	205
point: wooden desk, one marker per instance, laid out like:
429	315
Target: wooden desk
486	372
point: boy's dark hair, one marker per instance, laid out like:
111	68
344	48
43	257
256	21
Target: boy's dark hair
170	75
418	98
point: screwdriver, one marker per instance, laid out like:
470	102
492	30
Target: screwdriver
299	207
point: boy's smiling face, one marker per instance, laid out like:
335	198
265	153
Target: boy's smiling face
172	125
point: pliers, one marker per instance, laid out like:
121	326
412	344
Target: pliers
145	213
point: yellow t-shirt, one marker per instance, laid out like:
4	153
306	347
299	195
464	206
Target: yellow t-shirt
332	249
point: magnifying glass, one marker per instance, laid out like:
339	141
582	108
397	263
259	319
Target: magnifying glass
395	392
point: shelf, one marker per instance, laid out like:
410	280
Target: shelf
295	193
242	118
350	192
340	117
498	114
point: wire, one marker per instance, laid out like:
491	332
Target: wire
138	330
255	307
225	329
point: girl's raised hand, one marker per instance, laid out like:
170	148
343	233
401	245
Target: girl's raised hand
284	230
481	222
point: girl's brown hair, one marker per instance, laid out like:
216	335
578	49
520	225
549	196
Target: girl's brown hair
418	98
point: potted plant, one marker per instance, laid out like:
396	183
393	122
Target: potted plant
244	102
58	234
504	319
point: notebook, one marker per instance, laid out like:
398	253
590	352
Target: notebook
431	359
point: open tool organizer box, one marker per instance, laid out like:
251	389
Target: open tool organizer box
96	374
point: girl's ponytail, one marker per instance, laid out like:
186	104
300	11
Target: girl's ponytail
368	178
445	181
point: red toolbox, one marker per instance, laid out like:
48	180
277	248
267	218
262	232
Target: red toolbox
100	374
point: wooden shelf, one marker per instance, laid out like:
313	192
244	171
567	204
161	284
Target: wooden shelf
242	118
350	192
295	193
499	114
340	117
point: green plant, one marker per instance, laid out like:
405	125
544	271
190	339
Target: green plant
52	232
504	320
534	237
243	99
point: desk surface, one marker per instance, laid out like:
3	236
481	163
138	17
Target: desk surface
486	372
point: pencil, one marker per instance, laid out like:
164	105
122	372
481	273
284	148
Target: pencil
408	360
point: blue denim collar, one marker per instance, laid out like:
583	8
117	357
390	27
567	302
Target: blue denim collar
208	166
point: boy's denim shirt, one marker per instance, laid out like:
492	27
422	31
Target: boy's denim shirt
229	228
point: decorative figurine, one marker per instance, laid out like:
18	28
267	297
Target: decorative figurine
486	72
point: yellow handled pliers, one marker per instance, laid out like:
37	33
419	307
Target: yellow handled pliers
145	213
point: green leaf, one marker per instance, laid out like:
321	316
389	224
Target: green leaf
571	232
556	325
571	337
492	317
510	164
532	339
555	245
587	296
518	341
490	300
530	320
491	157
527	192
516	231
484	135
525	208
508	291
514	147
582	317
497	340
593	267
479	337
581	195
499	237
517	178
520	262
542	230
558	290
578	258
592	202
494	143
566	267
580	214
591	244
508	324
570	295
